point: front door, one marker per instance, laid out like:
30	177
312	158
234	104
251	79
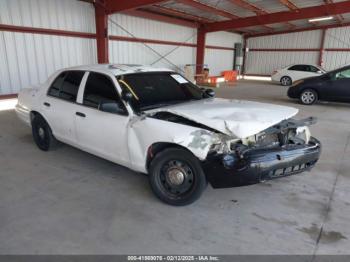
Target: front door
102	120
341	86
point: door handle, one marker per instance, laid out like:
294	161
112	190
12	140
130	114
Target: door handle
47	104
80	114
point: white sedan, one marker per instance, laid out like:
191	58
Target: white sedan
288	75
156	122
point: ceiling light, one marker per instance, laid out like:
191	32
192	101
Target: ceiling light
321	19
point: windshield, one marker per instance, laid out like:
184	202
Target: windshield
157	89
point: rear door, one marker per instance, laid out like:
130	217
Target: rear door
297	72
59	105
102	119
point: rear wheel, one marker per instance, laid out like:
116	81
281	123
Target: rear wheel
286	81
308	97
176	177
42	133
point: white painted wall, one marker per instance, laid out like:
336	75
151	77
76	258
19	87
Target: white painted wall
28	59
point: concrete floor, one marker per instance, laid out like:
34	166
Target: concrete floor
70	202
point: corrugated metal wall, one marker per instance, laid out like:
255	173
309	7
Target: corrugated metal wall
337	38
28	59
265	62
53	14
220	60
128	52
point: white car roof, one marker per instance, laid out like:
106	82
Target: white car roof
119	69
303	64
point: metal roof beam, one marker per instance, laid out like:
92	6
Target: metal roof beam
180	14
114	6
208	8
289	4
257	10
339	18
162	18
280	17
310	28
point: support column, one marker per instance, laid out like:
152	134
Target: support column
200	49
101	18
320	57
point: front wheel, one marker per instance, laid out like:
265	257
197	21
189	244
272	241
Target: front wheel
308	97
176	177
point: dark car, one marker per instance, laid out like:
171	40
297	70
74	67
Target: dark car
332	86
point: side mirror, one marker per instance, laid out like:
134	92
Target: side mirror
209	93
319	72
112	107
127	96
327	77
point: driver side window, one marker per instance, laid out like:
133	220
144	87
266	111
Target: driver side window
100	93
342	74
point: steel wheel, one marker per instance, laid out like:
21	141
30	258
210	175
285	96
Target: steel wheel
42	133
308	97
176	178
286	81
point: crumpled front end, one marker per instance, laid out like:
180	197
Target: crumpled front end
282	150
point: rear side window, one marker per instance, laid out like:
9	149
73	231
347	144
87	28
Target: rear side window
299	68
56	85
100	89
66	85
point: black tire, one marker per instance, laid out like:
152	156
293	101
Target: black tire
308	97
286	81
42	134
176	177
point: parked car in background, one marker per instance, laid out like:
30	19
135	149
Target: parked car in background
332	86
157	122
288	75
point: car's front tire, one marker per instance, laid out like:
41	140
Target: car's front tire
286	81
308	97
176	177
42	133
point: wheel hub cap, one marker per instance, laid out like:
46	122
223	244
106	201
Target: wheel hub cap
308	97
41	133
176	176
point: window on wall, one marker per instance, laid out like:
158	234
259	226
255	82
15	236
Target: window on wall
66	85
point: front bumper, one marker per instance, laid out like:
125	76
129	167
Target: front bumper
260	164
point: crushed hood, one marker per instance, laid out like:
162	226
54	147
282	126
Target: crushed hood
236	118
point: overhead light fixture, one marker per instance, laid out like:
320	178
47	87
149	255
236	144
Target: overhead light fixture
321	19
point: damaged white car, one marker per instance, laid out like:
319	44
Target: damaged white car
156	122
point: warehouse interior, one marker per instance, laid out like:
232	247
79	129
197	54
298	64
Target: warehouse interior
68	201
